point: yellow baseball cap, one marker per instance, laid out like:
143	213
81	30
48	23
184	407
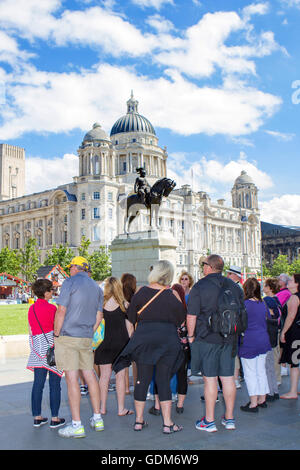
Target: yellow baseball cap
79	261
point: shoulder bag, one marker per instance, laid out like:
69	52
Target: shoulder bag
151	300
50	357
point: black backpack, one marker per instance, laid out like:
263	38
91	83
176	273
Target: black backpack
230	317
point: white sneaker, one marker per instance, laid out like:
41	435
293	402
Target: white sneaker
72	431
237	384
97	424
228	423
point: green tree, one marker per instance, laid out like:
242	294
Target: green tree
295	266
9	261
61	255
280	265
83	249
100	261
266	270
29	260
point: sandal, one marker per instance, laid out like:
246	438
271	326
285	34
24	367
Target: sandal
171	428
154	411
144	424
128	412
179	409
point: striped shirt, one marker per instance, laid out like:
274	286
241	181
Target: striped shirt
37	341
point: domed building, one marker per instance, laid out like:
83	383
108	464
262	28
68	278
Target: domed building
91	205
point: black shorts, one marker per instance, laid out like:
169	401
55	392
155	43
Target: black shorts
212	360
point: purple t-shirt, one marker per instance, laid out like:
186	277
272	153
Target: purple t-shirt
256	340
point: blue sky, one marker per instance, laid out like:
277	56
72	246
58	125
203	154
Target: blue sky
219	80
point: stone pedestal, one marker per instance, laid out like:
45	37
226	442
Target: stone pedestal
136	252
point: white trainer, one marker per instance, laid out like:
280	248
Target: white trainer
72	431
97	424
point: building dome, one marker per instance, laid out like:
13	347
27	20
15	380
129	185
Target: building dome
132	121
244	178
96	134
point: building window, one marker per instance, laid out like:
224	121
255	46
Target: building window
96	233
96	195
96	213
83	196
124	166
65	237
65	219
110	213
82	214
110	196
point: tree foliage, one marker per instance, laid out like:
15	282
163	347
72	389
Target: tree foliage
29	260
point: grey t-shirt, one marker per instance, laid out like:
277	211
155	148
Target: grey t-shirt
82	298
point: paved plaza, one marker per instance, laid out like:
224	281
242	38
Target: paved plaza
274	428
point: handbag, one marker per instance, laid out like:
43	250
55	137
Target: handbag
98	336
50	357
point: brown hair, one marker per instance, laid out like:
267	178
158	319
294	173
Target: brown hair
41	286
252	289
191	279
129	285
297	280
113	288
180	290
216	263
273	283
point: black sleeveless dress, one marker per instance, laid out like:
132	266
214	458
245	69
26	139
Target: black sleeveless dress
292	338
115	337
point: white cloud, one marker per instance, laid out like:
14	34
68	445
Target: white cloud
45	173
60	102
31	18
281	135
283	210
213	176
255	9
157	4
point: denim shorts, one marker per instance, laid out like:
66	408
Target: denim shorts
212	360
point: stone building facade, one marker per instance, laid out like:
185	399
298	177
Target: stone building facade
278	240
90	204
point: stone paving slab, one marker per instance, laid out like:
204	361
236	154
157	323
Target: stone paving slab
274	428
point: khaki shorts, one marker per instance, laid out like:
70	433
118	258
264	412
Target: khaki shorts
73	353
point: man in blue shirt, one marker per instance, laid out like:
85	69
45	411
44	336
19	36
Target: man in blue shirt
78	315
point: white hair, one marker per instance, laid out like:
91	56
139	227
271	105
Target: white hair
162	273
284	278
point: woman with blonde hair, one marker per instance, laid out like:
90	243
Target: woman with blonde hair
158	313
117	333
187	282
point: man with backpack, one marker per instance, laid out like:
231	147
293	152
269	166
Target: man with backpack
216	318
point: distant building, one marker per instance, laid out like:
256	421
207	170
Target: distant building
90	205
279	240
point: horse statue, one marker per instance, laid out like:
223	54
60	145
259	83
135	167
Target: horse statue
151	200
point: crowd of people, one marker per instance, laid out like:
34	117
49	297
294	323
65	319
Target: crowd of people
162	330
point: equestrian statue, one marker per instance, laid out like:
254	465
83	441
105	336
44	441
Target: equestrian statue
146	196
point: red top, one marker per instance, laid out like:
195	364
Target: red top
45	313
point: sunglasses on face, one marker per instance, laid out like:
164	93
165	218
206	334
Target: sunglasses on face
184	279
204	263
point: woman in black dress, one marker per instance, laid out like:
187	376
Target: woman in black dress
117	333
290	336
158	314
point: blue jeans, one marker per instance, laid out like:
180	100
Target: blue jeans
40	376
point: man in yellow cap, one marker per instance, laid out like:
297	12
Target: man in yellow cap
79	313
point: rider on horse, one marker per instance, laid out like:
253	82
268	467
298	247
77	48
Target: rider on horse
141	186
